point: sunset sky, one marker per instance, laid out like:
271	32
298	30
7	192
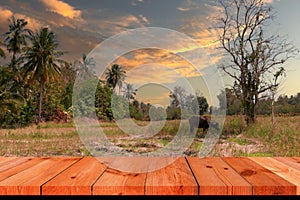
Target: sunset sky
82	24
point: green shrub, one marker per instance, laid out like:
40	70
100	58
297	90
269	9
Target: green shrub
234	126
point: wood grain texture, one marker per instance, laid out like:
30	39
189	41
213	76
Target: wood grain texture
289	161
29	181
127	164
288	173
15	166
174	179
77	179
263	180
216	177
3	160
118	182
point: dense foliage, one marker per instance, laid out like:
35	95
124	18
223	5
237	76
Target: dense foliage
36	85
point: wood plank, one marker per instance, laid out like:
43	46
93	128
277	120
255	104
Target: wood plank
29	181
117	182
263	180
174	179
127	164
76	180
288	173
17	165
216	177
289	161
14	162
209	182
4	160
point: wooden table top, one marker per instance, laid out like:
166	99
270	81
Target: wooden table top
185	176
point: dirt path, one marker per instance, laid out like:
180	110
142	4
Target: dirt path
237	146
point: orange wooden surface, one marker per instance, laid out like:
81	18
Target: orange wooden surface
263	180
4	160
116	182
176	178
17	165
30	180
76	180
288	173
289	161
216	177
188	176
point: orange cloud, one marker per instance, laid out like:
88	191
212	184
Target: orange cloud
144	19
150	73
188	5
165	66
268	1
117	24
5	14
62	8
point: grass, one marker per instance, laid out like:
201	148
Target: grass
240	141
258	154
48	139
54	139
280	139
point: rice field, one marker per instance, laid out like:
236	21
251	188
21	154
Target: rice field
62	139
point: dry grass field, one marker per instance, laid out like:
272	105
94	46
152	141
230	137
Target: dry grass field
261	139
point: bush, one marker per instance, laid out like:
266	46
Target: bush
234	125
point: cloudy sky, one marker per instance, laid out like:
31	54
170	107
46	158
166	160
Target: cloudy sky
81	25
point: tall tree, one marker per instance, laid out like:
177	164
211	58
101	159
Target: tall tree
274	91
68	76
42	61
16	38
254	55
129	91
203	105
85	68
177	97
115	76
232	105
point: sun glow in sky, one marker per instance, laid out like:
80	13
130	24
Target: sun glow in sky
80	25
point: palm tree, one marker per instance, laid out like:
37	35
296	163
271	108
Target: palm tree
86	66
16	38
2	54
115	76
129	91
42	61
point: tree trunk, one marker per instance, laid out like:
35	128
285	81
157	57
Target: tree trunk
13	62
249	111
272	109
40	102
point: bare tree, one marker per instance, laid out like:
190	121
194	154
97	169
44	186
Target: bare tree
274	91
178	96
255	56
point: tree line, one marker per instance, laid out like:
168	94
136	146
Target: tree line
283	105
37	85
